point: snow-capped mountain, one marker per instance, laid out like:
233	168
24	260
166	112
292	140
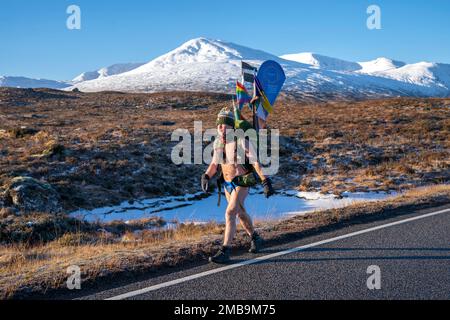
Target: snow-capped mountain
22	82
106	72
424	73
379	65
197	65
213	65
322	62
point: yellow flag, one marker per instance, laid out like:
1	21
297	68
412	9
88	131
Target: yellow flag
264	101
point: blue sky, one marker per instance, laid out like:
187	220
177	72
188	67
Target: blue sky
35	42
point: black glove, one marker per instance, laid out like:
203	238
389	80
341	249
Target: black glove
205	182
268	189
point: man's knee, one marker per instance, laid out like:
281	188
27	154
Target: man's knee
232	212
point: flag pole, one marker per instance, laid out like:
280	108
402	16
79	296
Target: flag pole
255	111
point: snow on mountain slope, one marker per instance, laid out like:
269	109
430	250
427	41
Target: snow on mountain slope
322	62
379	65
199	64
203	50
23	82
86	76
213	65
106	72
433	77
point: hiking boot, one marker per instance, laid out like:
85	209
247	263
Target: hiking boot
221	257
256	243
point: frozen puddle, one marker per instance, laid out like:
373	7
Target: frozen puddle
189	209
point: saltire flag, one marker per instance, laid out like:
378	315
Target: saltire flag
242	95
249	77
268	109
247	66
248	72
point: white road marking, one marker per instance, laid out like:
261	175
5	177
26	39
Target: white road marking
268	257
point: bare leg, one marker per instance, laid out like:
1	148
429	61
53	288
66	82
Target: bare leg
230	216
236	207
244	218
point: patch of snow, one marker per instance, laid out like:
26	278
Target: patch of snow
185	209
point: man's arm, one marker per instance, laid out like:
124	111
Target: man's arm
266	182
212	169
251	154
211	172
254	99
259	171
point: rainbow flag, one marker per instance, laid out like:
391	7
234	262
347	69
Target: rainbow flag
242	95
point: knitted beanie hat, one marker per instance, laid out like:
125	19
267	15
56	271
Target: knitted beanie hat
225	116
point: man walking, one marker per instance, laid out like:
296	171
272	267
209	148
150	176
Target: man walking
237	179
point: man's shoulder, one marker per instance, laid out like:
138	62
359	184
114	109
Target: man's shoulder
219	145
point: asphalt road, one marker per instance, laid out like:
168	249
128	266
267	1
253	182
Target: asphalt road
413	257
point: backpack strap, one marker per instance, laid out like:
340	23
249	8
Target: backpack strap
219	181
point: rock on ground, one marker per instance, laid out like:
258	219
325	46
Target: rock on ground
30	195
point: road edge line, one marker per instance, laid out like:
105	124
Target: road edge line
270	256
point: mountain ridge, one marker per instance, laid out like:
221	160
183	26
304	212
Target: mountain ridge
24	82
214	65
203	64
